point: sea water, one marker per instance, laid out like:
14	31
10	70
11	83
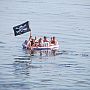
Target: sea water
69	22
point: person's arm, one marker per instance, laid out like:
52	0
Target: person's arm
29	44
56	42
30	34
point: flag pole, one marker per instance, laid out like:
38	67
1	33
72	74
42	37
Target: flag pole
30	33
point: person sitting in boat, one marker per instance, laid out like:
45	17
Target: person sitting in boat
45	42
51	40
40	42
54	41
29	42
36	41
45	39
33	43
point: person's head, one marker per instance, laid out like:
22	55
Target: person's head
35	37
40	39
45	38
53	38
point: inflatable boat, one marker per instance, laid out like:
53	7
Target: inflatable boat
45	47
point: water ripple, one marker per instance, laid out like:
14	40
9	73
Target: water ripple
66	69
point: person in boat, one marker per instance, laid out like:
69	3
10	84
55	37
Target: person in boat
29	42
33	43
51	40
40	42
54	41
45	42
45	39
36	41
30	38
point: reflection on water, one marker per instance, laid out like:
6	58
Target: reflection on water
42	52
22	68
23	64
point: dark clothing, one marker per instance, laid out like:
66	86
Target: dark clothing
53	42
32	43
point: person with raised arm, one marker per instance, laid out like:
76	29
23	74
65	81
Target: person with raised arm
29	43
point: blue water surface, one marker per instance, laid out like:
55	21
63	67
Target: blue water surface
69	22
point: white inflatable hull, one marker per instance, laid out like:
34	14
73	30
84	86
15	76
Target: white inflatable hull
52	47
